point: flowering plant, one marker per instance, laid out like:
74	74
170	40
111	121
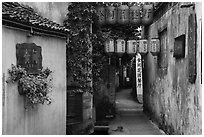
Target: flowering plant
34	86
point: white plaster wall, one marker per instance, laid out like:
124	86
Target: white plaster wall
44	119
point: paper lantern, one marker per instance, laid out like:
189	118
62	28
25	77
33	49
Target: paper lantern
101	15
123	14
120	47
154	46
131	47
147	14
111	15
109	46
142	46
134	15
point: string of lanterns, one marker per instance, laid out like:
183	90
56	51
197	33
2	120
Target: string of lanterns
133	14
131	47
124	14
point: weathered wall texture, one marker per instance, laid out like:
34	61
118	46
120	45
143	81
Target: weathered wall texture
105	91
107	87
169	98
55	11
43	119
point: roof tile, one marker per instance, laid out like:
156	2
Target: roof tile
25	14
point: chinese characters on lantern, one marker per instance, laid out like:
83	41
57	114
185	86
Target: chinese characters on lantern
131	46
101	15
111	15
109	46
124	14
135	16
142	45
154	46
120	46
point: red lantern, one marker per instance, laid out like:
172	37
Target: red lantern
101	15
154	46
111	15
147	14
131	47
135	16
123	14
142	46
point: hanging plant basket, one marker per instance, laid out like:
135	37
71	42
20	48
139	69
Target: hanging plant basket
34	87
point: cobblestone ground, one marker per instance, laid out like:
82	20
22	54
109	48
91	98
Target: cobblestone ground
130	119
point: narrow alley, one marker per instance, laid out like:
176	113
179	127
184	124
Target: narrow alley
102	68
130	119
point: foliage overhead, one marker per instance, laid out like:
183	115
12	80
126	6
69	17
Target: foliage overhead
85	46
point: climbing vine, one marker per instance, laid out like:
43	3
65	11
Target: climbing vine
85	46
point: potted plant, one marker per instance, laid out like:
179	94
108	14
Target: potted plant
34	86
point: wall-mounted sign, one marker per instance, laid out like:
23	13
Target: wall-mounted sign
111	15
142	46
109	46
101	15
131	46
29	57
154	46
147	14
123	14
134	15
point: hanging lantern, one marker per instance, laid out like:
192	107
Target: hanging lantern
147	14
101	15
111	15
135	16
154	46
109	46
120	47
131	47
123	14
142	46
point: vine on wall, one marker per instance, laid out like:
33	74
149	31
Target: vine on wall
85	47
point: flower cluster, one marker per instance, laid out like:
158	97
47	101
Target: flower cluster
35	86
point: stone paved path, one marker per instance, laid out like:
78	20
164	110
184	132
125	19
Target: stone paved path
130	119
